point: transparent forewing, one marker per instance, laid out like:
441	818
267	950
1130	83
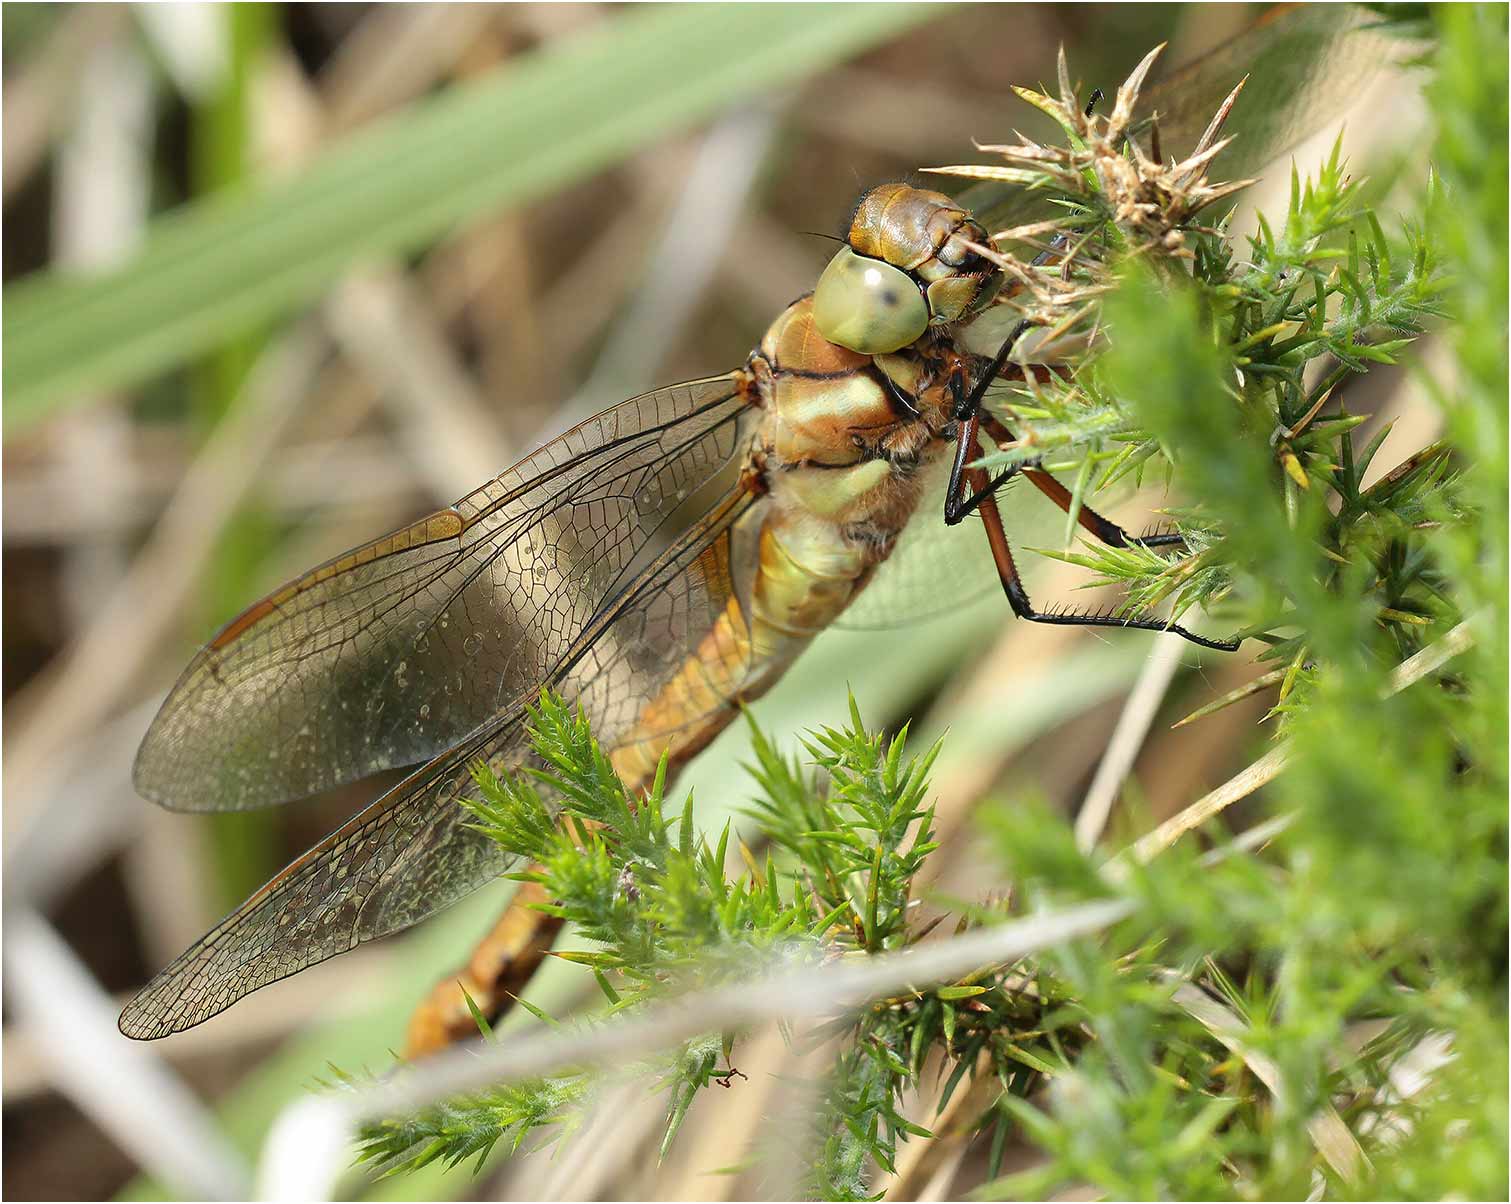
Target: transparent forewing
1305	66
397	650
411	853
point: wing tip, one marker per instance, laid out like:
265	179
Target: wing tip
141	1022
148	778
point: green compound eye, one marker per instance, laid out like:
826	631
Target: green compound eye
867	305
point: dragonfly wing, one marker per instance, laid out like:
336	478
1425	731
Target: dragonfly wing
405	856
1306	65
411	852
397	650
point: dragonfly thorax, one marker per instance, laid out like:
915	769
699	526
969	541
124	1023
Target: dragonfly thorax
908	265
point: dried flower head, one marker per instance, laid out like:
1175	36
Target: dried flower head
1116	185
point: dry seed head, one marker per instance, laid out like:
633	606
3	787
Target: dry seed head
1151	203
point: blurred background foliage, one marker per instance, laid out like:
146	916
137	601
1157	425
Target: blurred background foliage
278	277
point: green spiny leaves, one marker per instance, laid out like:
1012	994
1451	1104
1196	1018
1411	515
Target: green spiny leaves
1230	372
666	917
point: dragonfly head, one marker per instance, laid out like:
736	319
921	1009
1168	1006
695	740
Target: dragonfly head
907	265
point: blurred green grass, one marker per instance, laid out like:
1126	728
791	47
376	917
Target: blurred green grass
213	268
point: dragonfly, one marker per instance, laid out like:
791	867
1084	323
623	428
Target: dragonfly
658	565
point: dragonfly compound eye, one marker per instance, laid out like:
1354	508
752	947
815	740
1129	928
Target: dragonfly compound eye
867	305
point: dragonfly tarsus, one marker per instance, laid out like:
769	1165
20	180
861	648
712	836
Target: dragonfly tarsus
969	404
1017	596
967	412
956	508
1099	525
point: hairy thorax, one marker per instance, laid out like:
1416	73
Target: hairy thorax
841	455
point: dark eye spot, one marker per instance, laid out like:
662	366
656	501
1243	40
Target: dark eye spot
890	298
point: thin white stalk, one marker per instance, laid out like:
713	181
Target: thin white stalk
1329	1134
193	43
1268	767
1409	1076
42	92
683	261
382	323
310	1145
1127	739
119	1084
83	820
74	697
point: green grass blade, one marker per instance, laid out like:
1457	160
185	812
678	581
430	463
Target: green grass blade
211	269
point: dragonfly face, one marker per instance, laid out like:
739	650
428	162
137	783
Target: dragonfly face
908	265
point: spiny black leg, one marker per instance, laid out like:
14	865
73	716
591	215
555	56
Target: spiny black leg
956	507
1101	527
967	412
1017	596
969	404
1098	525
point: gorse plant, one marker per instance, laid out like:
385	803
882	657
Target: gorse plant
1229	366
837	883
1322	1010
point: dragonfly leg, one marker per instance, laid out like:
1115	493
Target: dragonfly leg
968	412
956	507
1096	524
1017	596
968	415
